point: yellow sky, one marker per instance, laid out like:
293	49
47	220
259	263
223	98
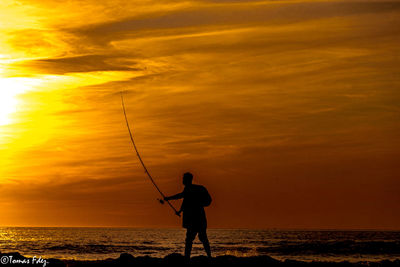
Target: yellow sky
287	111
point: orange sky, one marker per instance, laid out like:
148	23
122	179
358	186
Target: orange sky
287	111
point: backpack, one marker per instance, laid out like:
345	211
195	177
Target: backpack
205	197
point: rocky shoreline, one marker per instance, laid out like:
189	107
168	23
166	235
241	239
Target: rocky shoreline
125	259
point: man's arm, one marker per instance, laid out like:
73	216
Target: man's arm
180	210
177	196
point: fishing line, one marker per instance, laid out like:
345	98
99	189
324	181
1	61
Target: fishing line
140	158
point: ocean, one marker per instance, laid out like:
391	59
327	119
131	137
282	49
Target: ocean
103	243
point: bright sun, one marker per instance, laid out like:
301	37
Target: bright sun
10	88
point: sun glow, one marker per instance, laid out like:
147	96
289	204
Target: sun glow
10	88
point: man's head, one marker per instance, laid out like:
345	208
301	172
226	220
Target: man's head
187	178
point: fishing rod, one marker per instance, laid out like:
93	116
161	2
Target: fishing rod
141	161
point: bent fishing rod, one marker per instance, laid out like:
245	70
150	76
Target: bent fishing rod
141	161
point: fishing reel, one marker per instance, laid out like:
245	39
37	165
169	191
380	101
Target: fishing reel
178	213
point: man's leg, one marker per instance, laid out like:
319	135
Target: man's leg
190	236
203	238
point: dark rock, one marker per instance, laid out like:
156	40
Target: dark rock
201	260
126	257
177	260
55	263
174	259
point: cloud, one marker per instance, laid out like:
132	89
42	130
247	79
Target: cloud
86	63
233	15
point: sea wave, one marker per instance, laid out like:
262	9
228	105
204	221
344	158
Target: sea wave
346	247
102	243
98	248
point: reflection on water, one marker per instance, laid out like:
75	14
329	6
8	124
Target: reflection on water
102	243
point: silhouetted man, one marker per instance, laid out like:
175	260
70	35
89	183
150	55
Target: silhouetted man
195	198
